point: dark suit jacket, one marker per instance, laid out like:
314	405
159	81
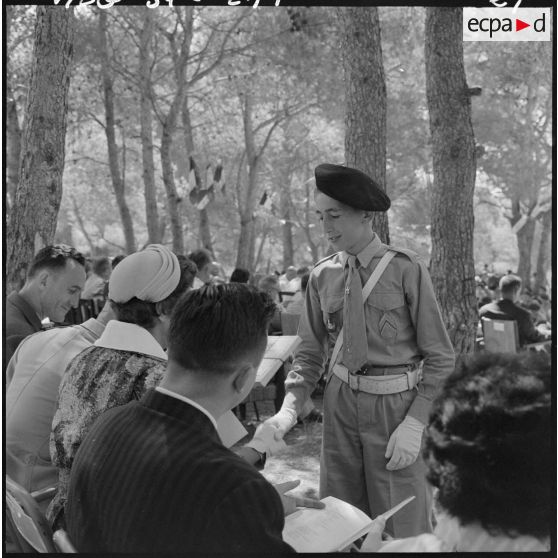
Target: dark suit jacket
153	476
21	321
505	309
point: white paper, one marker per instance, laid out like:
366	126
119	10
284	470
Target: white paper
328	530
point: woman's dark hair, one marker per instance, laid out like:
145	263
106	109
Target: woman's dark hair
216	327
240	275
143	313
489	444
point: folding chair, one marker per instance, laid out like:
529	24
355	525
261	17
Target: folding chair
26	526
500	336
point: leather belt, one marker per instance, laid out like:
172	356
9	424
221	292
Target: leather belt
380	385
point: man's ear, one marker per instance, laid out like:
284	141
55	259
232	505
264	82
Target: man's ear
243	378
43	277
367	216
159	308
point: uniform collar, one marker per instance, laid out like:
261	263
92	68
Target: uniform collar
123	336
366	254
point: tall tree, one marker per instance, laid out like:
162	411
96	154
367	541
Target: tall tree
365	118
117	177
37	199
454	166
154	235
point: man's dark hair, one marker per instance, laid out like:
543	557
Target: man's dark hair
240	275
216	327
101	265
201	258
143	313
509	283
489	445
116	260
54	257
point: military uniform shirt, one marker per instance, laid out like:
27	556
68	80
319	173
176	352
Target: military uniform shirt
403	322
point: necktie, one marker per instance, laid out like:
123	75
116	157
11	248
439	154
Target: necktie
355	343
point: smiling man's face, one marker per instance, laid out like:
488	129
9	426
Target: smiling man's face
61	290
345	228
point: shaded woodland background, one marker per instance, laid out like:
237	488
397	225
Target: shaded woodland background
201	126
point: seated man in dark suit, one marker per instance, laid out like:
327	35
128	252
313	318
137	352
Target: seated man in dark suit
152	475
506	309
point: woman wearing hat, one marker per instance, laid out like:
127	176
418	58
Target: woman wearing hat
127	358
370	310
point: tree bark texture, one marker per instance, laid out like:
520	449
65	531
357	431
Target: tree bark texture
287	228
246	240
13	148
204	223
365	117
146	122
454	167
118	184
34	214
180	60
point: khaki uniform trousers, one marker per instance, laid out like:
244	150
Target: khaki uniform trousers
356	430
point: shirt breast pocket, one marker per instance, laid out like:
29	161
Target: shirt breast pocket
389	314
332	310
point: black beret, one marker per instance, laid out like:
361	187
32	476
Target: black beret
351	187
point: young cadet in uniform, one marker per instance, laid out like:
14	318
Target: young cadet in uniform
392	354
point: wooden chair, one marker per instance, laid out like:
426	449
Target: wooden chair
27	528
63	543
289	323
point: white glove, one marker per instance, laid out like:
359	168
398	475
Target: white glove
404	444
264	440
283	421
373	541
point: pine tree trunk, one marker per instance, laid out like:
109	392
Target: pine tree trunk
525	237
169	128
287	228
34	214
454	166
204	223
13	148
246	241
365	118
146	121
110	132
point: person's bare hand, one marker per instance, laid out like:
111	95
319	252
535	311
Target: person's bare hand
290	503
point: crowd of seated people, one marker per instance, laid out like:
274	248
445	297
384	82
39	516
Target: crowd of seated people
119	413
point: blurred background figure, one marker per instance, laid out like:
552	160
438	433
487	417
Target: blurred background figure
202	258
240	275
96	282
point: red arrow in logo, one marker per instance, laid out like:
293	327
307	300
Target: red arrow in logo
519	25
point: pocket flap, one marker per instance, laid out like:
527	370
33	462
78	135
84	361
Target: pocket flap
332	304
386	301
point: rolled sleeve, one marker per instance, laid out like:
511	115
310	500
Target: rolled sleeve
432	338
